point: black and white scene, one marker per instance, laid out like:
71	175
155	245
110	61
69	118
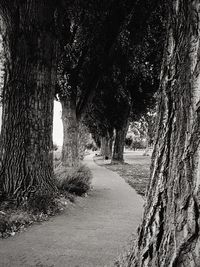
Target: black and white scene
99	133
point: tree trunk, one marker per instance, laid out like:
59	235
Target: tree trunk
70	153
106	147
26	160
169	234
118	152
83	137
146	152
102	148
110	144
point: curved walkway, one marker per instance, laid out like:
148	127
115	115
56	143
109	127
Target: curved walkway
89	234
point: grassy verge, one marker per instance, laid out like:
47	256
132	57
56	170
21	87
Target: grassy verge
70	183
15	218
136	174
75	181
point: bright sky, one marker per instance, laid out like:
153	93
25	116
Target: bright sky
57	124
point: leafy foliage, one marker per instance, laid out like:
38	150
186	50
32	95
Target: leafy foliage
132	79
76	181
99	46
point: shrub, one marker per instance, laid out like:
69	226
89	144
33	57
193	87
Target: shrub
12	220
128	141
41	203
138	145
91	146
76	180
38	207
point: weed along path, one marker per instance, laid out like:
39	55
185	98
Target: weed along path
91	233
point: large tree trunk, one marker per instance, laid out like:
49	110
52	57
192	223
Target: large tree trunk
26	165
169	234
70	149
120	136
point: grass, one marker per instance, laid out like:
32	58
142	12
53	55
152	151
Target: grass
70	182
14	218
75	181
135	174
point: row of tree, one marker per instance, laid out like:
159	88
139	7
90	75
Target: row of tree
79	52
75	50
104	66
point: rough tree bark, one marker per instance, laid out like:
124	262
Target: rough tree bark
169	234
70	149
26	165
120	136
74	134
147	143
83	137
106	146
102	147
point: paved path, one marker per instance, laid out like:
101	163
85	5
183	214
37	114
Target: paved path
89	234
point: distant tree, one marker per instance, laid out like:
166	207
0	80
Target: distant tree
83	138
132	81
84	60
137	69
144	129
148	120
100	116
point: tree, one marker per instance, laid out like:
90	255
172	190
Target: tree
169	234
148	122
137	68
100	116
145	129
121	129
28	29
84	61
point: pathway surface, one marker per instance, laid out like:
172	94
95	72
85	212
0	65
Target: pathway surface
89	234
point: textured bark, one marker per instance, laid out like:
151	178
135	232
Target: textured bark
169	234
120	136
146	152
102	148
106	146
70	149
110	146
83	137
26	165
